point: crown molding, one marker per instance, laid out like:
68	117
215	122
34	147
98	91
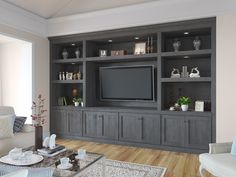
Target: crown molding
155	12
23	20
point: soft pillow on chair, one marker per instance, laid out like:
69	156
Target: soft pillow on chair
6	128
19	124
233	149
19	173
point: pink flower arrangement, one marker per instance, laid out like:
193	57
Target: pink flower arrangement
38	111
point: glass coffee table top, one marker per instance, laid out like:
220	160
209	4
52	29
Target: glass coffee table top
78	165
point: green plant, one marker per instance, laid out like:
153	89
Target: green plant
184	100
79	100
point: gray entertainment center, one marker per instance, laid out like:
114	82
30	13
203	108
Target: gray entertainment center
141	118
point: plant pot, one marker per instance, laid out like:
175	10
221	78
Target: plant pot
76	104
38	137
184	107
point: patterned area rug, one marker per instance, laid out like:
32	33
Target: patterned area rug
125	169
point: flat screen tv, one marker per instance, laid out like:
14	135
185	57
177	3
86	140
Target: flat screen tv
124	83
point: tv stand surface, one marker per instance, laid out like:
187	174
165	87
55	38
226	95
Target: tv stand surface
140	123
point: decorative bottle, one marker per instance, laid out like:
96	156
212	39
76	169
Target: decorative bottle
176	45
197	43
65	54
77	53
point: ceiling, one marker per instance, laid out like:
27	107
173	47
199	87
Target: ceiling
57	8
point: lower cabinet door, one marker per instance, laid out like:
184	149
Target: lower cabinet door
130	127
173	131
198	132
109	125
92	124
75	122
60	122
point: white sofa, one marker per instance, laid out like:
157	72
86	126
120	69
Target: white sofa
22	139
219	162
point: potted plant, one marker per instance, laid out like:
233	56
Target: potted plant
184	101
77	101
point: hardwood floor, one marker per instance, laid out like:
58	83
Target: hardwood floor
177	164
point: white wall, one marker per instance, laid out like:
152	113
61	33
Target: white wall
40	65
16	76
226	78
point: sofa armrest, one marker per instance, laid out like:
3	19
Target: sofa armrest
217	148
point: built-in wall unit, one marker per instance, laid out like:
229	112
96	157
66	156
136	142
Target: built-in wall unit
128	81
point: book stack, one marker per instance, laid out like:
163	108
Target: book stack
51	152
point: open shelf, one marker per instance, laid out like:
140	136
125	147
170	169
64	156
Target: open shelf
68	81
151	56
188	79
187	53
69	60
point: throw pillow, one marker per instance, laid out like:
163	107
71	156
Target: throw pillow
19	173
233	148
19	123
6	130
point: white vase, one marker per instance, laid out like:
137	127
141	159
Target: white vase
76	103
184	107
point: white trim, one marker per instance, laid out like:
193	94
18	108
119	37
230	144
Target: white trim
155	12
22	20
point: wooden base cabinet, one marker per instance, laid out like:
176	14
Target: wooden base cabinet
101	125
66	122
187	132
141	128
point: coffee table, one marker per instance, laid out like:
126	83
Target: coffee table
80	166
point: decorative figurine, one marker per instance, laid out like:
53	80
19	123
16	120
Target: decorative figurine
175	73
194	73
185	72
79	75
172	108
63	76
52	141
65	54
197	43
77	53
60	76
75	76
176	44
102	53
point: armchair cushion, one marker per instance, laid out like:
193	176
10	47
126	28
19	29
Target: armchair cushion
219	164
216	148
6	128
19	124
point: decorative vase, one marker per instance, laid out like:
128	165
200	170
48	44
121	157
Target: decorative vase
76	104
38	137
65	54
184	107
77	53
197	43
176	45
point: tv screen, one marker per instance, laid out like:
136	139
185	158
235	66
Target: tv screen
127	83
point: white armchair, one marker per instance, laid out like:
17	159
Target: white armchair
219	162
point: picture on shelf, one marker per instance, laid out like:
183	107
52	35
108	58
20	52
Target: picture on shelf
199	106
140	48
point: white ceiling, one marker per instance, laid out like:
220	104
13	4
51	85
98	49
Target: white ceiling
57	8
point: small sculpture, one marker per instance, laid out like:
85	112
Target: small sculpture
175	73
194	73
77	53
46	142
79	75
197	43
52	141
176	45
64	54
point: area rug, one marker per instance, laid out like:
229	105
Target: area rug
125	169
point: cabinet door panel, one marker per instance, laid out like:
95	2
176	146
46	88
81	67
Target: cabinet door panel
60	122
131	127
75	122
173	130
110	125
198	131
151	129
92	124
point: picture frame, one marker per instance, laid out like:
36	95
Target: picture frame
69	76
140	48
199	106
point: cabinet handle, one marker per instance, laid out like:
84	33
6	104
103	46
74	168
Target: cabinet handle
102	126
142	128
121	126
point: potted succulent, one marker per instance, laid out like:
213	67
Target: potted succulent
77	101
184	101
